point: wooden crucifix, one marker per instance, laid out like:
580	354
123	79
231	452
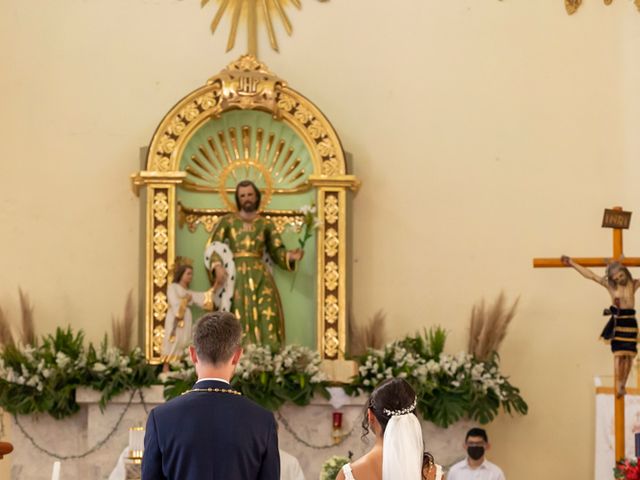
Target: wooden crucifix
622	327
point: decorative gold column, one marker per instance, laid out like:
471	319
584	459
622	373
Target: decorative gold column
160	251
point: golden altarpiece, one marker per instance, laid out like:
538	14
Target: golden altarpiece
246	123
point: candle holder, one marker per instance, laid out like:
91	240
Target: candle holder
337	433
133	462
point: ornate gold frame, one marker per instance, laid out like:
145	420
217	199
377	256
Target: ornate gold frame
247	84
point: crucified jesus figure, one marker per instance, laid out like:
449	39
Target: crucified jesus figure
622	328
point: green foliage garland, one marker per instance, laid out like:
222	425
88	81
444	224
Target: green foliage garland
43	378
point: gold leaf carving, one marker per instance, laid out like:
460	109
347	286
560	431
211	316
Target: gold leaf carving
325	147
331	309
331	342
207	101
572	6
158	337
330	167
303	115
177	126
160	206
190	112
160	239
160	306
161	163
293	222
331	242
316	130
286	103
167	144
331	276
160	272
331	209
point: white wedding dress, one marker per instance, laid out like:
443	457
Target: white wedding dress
348	473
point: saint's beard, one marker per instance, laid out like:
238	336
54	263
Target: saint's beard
249	207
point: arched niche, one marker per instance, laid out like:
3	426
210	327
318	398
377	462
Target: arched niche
246	122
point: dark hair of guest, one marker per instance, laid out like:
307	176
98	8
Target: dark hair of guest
477	432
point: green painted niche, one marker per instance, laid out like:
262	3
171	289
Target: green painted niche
217	150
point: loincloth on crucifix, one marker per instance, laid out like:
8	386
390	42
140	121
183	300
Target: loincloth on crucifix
621	331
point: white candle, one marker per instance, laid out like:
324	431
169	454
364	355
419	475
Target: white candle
56	471
136	442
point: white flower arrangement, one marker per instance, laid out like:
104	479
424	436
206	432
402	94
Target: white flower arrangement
43	377
292	359
449	386
332	466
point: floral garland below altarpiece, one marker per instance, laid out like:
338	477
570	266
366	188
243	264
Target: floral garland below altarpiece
43	378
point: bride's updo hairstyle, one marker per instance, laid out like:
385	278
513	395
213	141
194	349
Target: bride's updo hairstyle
392	397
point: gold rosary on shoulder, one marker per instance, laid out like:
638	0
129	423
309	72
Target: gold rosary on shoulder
213	390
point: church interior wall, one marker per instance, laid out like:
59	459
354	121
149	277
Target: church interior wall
485	133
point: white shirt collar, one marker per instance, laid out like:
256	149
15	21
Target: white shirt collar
479	467
212	379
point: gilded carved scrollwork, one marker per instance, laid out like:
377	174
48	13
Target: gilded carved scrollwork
331	342
331	309
158	337
331	242
160	206
321	141
160	239
160	272
572	6
331	209
208	218
331	275
248	84
160	306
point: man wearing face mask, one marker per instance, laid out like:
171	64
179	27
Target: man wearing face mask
475	466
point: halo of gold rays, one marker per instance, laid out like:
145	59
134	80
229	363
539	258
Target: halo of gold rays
268	9
266	158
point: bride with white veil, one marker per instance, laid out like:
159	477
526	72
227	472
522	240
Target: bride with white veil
398	450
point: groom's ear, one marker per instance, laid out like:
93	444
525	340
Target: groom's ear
236	356
192	354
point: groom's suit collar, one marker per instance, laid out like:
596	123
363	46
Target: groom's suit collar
211	382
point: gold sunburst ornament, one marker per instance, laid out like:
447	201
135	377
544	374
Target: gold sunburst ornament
252	11
572	6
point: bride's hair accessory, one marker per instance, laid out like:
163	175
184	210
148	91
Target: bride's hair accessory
403	411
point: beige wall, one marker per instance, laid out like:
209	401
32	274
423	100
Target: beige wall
485	133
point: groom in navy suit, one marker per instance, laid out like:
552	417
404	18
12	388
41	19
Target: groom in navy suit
212	432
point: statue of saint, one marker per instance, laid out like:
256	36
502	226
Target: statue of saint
622	328
178	322
239	256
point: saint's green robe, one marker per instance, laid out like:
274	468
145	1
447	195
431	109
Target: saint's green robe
256	301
